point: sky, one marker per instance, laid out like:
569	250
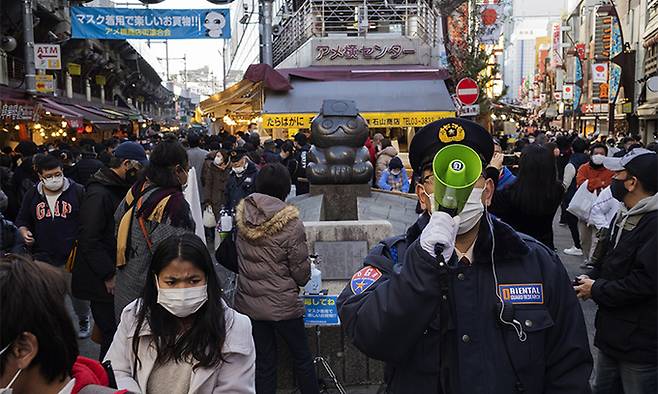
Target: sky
204	52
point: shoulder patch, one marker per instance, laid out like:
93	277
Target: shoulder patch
364	278
524	293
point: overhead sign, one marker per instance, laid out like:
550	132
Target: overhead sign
100	80
320	310
469	110
16	110
74	69
45	83
491	23
567	92
595	108
375	119
361	51
47	57
600	72
467	91
126	23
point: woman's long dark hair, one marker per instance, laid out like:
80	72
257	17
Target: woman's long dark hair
163	161
536	189
204	339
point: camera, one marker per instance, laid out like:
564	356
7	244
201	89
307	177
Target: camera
510	160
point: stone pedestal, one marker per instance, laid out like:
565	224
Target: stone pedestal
340	201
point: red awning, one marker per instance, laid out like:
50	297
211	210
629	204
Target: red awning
270	77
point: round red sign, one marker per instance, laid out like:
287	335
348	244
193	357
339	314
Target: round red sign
467	91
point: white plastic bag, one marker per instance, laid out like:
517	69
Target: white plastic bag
209	217
581	203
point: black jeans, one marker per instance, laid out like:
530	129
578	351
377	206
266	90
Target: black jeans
103	313
293	333
572	222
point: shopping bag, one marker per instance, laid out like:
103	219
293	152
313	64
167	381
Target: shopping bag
209	217
581	203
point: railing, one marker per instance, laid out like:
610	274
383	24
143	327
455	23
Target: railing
322	18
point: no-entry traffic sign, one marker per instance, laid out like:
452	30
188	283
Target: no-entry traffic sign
467	91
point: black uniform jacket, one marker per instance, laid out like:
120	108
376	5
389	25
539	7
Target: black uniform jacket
438	329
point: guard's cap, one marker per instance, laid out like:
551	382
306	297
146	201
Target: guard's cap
130	150
640	162
434	136
237	154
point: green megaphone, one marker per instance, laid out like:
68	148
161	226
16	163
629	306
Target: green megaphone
456	169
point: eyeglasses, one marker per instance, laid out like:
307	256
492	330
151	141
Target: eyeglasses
55	175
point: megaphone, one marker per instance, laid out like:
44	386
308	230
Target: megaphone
456	168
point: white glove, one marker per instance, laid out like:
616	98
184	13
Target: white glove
441	230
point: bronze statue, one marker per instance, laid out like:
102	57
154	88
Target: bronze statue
338	154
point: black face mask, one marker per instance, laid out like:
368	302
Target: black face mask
591	164
618	189
131	176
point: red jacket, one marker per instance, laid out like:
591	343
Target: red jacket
599	178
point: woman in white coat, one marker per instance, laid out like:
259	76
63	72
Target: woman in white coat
180	337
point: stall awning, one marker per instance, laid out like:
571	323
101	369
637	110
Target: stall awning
74	117
409	103
647	110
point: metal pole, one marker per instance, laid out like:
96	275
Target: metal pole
28	36
267	31
167	57
224	66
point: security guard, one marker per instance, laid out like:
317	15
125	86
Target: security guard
242	179
493	312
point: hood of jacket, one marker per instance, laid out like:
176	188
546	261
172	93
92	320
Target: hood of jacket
107	177
260	215
627	219
88	372
388	151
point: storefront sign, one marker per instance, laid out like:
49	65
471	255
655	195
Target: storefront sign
14	111
627	108
74	69
320	310
47	57
491	23
602	36
594	108
615	80
599	72
567	92
469	110
580	50
126	23
100	80
45	83
358	50
374	119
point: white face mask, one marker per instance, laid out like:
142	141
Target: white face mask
54	184
218	160
8	389
597	159
472	212
395	172
182	302
240	170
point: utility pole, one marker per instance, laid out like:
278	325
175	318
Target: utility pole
266	27
167	57
28	36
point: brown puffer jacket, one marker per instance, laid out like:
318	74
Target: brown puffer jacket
272	259
384	156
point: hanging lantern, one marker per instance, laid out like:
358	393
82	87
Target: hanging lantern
88	128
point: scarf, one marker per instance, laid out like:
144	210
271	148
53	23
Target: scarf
160	206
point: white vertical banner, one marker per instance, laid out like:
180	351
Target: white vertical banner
600	72
567	92
556	48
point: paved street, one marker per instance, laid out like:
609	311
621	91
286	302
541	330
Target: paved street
562	241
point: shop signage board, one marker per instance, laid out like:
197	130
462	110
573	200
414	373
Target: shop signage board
600	72
74	69
12	110
100	80
594	108
320	310
467	91
374	119
47	57
45	83
361	51
556	47
491	23
567	92
126	23
469	110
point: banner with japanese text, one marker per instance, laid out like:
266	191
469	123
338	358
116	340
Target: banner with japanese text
376	120
127	23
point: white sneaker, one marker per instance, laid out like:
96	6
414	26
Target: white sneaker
573	251
84	329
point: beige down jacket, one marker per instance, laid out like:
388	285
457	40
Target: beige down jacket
272	259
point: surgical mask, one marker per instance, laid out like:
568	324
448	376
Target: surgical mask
618	189
239	170
182	302
472	212
218	161
8	389
597	159
54	184
395	172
